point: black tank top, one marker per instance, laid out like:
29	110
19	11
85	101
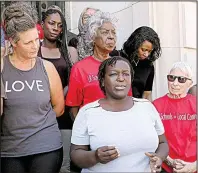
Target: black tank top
61	66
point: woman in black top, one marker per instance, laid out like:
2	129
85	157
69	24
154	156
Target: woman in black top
54	49
142	48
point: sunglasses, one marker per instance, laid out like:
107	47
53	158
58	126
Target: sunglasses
181	79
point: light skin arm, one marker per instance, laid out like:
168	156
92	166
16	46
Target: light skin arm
147	95
3	50
56	89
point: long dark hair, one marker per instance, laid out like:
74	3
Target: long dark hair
62	40
141	34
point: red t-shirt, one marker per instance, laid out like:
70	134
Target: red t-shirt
179	120
83	83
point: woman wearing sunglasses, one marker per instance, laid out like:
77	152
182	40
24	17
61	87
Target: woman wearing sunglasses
177	110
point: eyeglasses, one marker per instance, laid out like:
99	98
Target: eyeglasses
181	79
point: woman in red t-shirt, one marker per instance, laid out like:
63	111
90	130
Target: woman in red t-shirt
177	110
83	84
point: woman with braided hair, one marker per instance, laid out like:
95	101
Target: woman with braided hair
30	137
106	132
54	49
142	48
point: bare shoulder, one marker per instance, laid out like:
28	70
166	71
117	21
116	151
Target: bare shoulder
47	64
50	68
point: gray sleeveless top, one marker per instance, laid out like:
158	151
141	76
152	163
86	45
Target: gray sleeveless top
29	124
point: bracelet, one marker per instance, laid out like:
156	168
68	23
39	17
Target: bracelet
169	163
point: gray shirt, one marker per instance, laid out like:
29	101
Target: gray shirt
29	123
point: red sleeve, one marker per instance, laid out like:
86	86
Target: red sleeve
130	92
75	91
40	31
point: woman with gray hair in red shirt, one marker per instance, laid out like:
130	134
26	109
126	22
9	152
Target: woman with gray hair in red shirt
177	110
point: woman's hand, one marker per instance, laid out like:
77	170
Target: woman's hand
155	162
182	166
178	164
106	154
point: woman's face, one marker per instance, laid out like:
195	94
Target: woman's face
105	38
28	44
52	27
87	15
175	87
117	80
145	50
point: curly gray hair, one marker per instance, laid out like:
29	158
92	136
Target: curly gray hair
80	22
90	30
81	46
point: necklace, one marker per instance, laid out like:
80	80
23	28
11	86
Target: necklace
136	63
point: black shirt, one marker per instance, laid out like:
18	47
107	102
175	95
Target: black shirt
143	75
64	121
143	78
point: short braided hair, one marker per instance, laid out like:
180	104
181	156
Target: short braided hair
111	62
